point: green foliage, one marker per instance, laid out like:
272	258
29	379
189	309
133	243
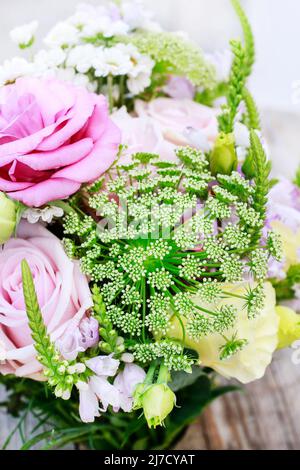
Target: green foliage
209	96
248	37
253	118
58	424
236	87
231	347
284	289
175	55
143	255
261	181
47	355
297	179
57	371
111	342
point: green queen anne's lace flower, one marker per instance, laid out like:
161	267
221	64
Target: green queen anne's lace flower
154	245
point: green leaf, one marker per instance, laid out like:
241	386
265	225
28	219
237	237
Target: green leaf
248	36
252	111
297	179
39	334
262	170
191	401
284	289
181	379
236	87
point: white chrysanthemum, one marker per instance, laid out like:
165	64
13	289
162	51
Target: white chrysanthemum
137	17
138	84
63	34
104	25
112	61
140	75
14	68
23	35
69	75
48	59
47	214
83	15
250	363
82	57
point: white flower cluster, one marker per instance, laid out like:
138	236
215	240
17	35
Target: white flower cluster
33	215
24	35
117	60
69	57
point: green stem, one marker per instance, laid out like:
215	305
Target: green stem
62	205
163	375
150	373
110	84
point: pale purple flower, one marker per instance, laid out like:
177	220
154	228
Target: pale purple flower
98	389
78	338
277	269
89	329
69	344
126	383
293	304
107	393
179	88
104	366
88	403
284	205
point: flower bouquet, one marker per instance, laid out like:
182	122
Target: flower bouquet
143	243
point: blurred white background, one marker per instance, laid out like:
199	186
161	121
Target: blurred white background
212	23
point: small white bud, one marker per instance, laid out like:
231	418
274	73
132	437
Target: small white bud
80	368
61	370
71	370
66	395
127	357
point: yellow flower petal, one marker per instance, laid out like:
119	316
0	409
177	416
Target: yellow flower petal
289	326
290	241
261	333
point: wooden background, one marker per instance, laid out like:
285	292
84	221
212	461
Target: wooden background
267	414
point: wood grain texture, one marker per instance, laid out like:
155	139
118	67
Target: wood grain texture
265	416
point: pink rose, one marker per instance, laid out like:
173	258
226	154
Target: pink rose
62	291
53	137
182	122
179	88
142	134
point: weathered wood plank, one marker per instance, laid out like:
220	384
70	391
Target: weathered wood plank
265	416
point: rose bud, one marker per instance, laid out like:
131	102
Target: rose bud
223	158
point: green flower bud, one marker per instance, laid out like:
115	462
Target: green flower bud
248	167
138	394
8	218
158	401
223	158
105	347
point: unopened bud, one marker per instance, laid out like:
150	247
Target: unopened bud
223	158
